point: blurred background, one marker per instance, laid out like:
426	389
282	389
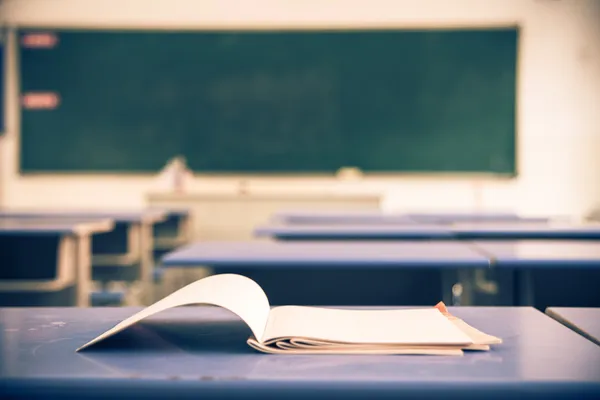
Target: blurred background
235	110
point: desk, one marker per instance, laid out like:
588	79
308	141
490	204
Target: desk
281	255
232	211
333	218
414	231
200	352
127	245
73	253
379	217
338	272
409	231
524	230
525	256
474	217
585	321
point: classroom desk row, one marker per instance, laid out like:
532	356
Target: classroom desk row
329	217
56	252
495	285
431	231
201	352
65	261
192	352
340	272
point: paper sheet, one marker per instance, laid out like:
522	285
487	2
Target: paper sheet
372	350
480	339
236	293
420	326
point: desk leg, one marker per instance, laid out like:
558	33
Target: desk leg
184	228
84	268
525	288
147	262
448	280
465	278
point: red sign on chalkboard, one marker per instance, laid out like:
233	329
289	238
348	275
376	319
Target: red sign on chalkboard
39	40
40	100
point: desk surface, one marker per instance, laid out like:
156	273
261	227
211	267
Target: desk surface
473	217
465	231
119	216
326	254
200	352
356	232
585	321
379	217
35	226
347	217
541	253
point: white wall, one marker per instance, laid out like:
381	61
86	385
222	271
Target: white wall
558	96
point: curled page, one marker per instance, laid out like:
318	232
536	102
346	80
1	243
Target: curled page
480	340
236	293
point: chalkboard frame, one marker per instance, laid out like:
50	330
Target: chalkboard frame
513	173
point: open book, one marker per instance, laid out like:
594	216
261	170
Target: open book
316	330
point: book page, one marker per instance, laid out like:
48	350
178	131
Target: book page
480	339
236	293
420	326
372	350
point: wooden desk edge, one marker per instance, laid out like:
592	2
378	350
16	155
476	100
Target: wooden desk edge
154	216
94	226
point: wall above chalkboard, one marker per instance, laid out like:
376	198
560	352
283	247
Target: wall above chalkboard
307	102
2	79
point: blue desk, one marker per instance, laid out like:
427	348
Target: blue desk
58	250
125	253
561	261
200	352
410	231
344	218
585	321
521	230
378	217
474	217
328	272
119	216
306	255
455	231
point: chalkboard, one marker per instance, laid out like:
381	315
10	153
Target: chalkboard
269	102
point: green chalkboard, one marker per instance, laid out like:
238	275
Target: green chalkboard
271	102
